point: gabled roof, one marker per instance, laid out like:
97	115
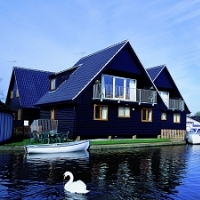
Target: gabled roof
155	71
32	84
88	68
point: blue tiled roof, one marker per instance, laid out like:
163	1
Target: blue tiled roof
155	71
88	68
32	85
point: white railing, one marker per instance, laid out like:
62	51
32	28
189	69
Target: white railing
124	93
40	125
176	104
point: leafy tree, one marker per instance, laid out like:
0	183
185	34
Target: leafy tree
197	113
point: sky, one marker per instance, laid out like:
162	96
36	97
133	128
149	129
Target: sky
52	35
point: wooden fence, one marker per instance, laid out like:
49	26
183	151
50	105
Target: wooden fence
173	134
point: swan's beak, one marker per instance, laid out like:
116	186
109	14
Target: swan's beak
64	177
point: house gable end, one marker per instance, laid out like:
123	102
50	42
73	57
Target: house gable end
31	85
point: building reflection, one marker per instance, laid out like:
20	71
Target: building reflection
139	169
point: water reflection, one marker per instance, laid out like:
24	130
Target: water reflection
143	173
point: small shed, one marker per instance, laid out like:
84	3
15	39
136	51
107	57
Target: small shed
6	122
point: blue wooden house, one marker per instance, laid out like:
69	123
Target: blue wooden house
6	122
26	87
173	109
109	93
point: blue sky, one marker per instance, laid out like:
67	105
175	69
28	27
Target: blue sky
53	34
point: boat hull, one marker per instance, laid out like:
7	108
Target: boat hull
58	147
193	138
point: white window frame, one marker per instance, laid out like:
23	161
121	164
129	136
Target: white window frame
127	93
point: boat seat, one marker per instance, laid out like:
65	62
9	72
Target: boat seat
45	137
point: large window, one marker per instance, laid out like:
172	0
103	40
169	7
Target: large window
177	118
118	87
100	112
123	111
146	114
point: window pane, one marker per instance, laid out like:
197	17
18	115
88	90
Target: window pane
97	112
127	112
149	115
144	114
104	112
119	88
121	111
108	85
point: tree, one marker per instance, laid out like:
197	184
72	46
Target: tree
1	92
197	113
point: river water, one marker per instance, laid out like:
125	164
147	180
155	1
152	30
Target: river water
170	172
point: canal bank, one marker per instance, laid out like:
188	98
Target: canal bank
112	146
137	145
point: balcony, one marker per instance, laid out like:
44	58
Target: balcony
176	104
110	92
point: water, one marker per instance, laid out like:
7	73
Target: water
170	172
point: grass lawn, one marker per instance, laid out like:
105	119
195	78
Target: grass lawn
127	141
21	141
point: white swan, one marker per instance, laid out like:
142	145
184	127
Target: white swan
76	186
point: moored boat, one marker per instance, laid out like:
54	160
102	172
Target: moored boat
193	136
58	147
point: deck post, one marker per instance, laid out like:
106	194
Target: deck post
78	138
134	137
109	137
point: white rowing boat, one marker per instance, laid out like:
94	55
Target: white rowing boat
83	155
58	147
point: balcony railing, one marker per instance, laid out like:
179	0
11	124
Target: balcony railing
176	104
124	93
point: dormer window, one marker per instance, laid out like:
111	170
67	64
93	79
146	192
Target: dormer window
53	84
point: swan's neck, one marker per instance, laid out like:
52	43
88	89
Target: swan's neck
71	178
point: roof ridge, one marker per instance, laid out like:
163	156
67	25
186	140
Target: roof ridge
124	41
30	69
156	66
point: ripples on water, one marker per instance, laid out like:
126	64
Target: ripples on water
144	173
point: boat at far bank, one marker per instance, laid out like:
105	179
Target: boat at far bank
193	136
58	147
